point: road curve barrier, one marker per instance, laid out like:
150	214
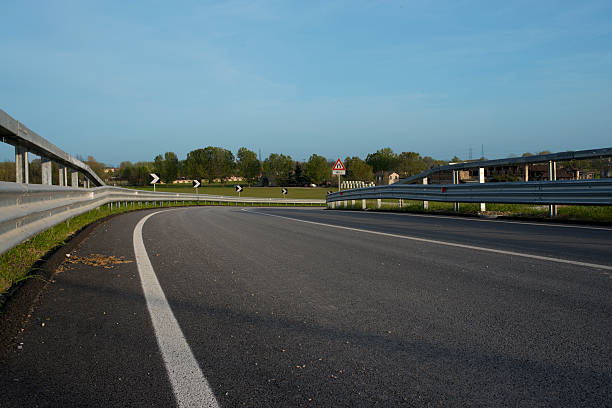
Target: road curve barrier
565	192
28	209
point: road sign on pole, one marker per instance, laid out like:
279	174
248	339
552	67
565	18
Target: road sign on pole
238	189
284	191
154	179
339	169
196	184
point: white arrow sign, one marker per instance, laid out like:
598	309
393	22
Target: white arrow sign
238	188
284	190
154	178
196	184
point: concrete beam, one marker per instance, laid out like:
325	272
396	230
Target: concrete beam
21	165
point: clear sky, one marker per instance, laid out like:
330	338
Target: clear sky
126	80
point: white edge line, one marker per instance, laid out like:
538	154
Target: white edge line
451	244
190	387
495	220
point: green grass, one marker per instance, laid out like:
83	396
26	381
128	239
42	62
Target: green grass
565	212
230	191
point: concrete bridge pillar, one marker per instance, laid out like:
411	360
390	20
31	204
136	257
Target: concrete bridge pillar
74	175
46	166
63	175
21	165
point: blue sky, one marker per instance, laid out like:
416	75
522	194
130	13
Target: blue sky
128	80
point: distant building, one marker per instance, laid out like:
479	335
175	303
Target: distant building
384	178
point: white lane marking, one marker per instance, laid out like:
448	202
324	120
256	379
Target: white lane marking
190	387
493	220
451	244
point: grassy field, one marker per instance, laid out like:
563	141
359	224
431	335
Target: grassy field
230	191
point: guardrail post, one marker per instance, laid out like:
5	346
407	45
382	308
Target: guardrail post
481	179
46	169
552	176
425	203
401	203
378	203
75	178
352	203
364	204
21	165
455	181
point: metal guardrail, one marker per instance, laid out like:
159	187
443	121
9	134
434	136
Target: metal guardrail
26	140
542	158
28	209
577	192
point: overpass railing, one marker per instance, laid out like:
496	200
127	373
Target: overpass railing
28	209
27	141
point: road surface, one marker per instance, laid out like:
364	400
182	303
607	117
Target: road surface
282	307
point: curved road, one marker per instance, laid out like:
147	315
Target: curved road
279	307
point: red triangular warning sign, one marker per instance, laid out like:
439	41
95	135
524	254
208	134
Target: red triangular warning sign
338	165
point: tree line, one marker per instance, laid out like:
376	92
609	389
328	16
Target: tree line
216	164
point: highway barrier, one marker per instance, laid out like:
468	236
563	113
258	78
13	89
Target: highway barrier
568	192
28	209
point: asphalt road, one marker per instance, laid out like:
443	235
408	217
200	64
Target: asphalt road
306	307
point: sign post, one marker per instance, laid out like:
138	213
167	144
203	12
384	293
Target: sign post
154	180
339	169
238	189
196	184
284	191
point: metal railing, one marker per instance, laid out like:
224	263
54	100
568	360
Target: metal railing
570	192
28	209
27	141
514	161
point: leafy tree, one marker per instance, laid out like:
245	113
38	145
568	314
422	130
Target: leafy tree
357	169
211	163
455	159
248	165
96	166
278	168
410	163
382	160
158	165
170	168
317	170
